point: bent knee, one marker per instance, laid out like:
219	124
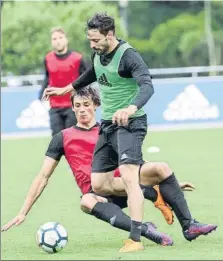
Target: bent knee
163	170
87	203
100	182
97	181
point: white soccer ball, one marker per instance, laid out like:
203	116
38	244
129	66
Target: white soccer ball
52	237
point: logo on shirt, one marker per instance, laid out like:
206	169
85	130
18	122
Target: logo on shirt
104	81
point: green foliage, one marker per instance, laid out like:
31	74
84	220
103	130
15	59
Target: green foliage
172	39
167	34
173	34
26	30
180	41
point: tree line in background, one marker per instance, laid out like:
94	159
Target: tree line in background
167	34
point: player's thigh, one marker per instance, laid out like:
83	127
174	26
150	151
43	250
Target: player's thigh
56	121
69	118
101	182
130	140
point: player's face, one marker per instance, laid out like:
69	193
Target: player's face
84	109
98	42
59	41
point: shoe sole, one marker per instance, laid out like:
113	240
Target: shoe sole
204	234
131	251
168	222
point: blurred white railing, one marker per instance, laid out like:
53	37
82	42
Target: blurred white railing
30	80
193	71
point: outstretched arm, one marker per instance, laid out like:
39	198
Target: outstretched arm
36	188
86	78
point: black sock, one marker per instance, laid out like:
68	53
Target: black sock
174	196
136	230
114	215
149	193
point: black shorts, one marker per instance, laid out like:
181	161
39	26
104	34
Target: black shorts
119	145
61	118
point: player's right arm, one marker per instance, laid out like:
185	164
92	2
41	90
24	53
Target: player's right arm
45	81
53	155
85	79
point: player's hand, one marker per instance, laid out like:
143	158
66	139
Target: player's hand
45	97
14	222
121	116
186	186
54	91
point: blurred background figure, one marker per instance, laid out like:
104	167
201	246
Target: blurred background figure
62	66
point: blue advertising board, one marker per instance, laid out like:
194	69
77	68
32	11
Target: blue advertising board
176	101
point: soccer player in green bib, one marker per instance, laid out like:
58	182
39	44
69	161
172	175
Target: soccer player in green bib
125	87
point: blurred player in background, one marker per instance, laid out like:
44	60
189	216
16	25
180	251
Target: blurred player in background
62	67
77	145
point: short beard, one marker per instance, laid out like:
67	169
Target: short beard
105	50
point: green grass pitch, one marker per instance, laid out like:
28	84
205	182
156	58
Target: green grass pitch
194	155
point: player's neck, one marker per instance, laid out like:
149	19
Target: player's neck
86	125
113	45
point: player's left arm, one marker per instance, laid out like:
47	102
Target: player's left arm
140	72
136	67
50	162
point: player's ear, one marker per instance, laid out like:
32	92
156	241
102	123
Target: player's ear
95	107
110	34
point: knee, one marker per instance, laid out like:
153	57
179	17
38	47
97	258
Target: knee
97	187
96	183
101	182
87	203
163	170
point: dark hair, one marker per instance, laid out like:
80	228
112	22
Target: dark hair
90	91
103	22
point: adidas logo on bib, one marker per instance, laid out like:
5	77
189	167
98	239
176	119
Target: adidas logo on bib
103	80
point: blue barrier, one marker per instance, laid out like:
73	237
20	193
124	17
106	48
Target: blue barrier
176	101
